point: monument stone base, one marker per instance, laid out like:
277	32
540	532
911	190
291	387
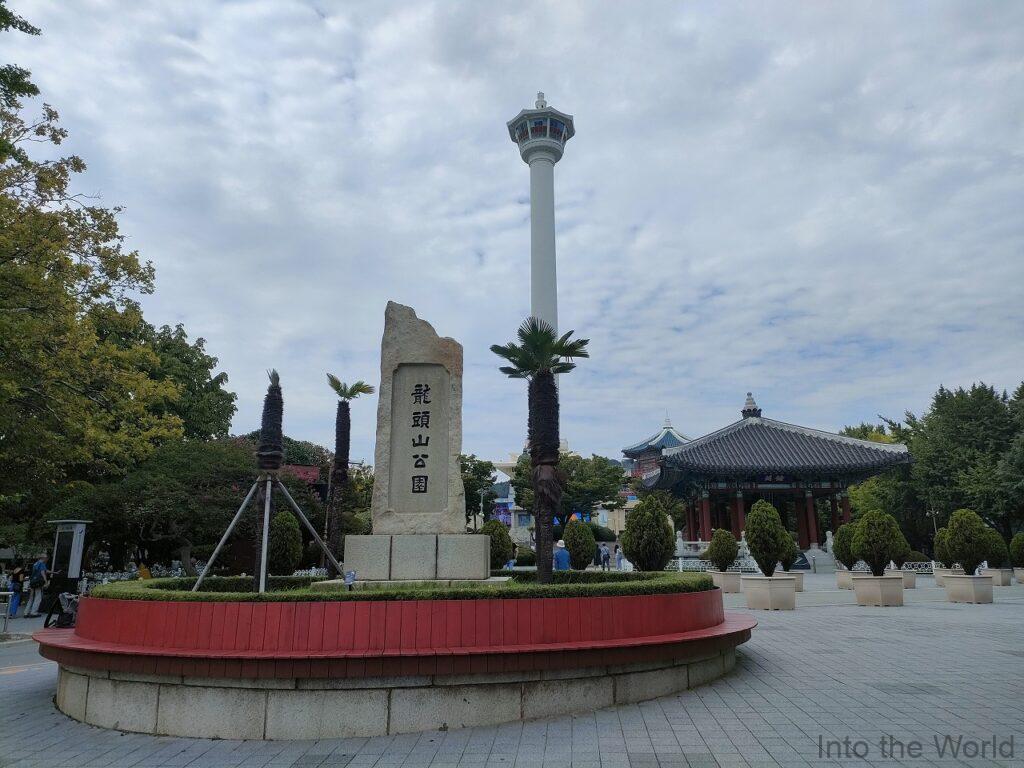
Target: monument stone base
418	556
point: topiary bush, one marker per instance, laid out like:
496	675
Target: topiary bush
647	541
876	538
501	542
916	557
940	548
968	542
842	546
601	533
788	551
579	540
764	535
997	552
722	550
1017	551
284	550
902	549
526	557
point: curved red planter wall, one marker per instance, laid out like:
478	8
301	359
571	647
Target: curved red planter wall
356	638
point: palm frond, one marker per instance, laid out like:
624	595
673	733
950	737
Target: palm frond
275	380
349	391
336	384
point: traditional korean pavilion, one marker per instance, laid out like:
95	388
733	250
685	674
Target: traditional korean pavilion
803	472
645	456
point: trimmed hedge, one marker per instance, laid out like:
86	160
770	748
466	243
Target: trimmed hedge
765	534
877	540
917	557
579	540
998	554
842	545
526	557
967	540
501	542
634	584
722	550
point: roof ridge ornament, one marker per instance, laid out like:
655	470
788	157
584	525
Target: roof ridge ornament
750	408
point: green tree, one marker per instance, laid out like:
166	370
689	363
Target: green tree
722	550
478	475
284	550
538	357
842	545
647	540
338	499
940	548
14	81
501	542
764	533
1017	550
967	540
580	541
876	539
590	483
998	553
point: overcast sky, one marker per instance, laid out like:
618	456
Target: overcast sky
820	202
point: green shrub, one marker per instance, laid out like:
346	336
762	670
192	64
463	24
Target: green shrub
997	552
722	550
788	551
579	540
526	557
647	541
902	549
284	550
577	584
842	545
968	541
916	557
501	542
876	538
940	548
1017	551
764	535
601	533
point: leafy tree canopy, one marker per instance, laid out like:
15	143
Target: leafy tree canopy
591	483
477	475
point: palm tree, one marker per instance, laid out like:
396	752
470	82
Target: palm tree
269	456
342	439
539	355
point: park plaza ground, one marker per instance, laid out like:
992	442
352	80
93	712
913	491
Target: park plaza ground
808	680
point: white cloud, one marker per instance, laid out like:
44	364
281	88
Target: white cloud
817	202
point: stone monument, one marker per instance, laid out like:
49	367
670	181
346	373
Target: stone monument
418	507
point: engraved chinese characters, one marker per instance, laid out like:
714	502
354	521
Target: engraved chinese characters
419	438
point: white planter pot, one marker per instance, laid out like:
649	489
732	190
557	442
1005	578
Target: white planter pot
727	581
909	577
879	590
777	593
844	579
1018	574
1001	577
798	575
940	574
968	589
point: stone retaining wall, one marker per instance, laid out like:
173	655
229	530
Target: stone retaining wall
315	708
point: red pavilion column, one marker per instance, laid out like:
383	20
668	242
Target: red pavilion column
705	516
800	510
739	517
845	499
812	518
834	503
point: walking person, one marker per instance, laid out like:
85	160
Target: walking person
560	560
38	578
619	557
606	557
16	579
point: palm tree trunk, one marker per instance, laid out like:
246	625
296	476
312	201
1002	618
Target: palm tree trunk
545	476
339	480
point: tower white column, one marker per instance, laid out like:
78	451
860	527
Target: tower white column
541	134
543	275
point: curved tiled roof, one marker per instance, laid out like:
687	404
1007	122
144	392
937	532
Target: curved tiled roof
756	445
665	438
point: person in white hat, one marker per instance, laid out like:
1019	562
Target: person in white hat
560	561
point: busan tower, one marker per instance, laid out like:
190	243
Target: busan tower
541	134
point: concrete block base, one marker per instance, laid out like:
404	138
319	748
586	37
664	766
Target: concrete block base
1018	574
325	708
726	581
418	557
1001	577
775	593
879	590
799	579
909	577
844	579
968	589
940	574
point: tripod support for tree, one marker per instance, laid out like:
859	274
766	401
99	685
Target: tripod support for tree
270	481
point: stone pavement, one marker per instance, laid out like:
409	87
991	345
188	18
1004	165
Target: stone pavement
830	671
